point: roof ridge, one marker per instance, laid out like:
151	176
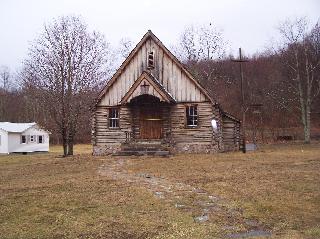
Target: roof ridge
166	51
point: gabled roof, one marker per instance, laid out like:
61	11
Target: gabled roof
230	116
156	89
148	35
16	127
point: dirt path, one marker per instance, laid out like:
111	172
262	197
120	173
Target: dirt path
204	207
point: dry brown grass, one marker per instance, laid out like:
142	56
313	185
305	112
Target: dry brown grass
277	185
46	196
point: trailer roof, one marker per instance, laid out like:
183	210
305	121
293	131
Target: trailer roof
16	127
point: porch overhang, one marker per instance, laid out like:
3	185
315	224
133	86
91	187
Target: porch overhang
146	84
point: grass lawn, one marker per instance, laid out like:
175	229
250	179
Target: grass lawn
46	196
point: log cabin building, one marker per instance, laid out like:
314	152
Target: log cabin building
153	100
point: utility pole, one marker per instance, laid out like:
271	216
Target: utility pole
243	106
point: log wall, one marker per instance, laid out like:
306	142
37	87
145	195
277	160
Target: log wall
230	134
102	134
201	138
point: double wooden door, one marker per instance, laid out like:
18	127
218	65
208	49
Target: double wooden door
150	123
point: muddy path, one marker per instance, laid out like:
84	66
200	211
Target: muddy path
200	204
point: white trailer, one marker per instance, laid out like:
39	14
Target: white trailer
23	138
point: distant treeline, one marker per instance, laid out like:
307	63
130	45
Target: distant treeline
281	85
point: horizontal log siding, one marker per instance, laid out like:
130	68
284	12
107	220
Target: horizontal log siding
102	134
201	134
231	134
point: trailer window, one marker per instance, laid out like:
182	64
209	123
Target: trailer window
40	139
32	138
23	139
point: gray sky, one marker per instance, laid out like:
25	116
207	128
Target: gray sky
250	24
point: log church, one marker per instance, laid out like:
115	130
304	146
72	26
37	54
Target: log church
153	105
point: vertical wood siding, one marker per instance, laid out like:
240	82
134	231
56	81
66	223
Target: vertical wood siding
169	74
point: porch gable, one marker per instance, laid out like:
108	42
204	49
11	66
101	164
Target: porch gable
147	84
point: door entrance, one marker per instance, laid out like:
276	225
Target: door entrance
150	123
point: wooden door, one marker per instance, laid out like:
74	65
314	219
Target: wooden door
150	123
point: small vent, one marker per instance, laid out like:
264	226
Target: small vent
151	60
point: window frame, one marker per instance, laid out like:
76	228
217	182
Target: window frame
33	139
194	116
150	66
114	122
25	139
42	139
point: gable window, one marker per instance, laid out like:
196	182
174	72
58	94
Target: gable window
151	59
192	115
113	118
40	139
23	139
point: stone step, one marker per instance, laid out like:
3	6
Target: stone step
141	148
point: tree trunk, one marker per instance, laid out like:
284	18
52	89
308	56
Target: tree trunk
65	149
65	142
70	147
307	126
71	139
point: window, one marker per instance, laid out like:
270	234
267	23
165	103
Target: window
150	60
23	139
32	138
192	115
113	118
40	139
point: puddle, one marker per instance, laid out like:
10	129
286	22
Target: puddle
159	194
201	219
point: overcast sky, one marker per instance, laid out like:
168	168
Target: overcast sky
250	24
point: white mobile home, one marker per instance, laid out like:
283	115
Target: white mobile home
22	138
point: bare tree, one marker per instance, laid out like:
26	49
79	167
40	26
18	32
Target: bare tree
187	49
64	66
125	47
200	47
301	56
211	43
4	86
201	42
5	77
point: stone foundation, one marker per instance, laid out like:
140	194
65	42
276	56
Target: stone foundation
105	149
195	148
175	148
